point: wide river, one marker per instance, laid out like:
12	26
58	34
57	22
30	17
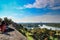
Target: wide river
44	26
50	27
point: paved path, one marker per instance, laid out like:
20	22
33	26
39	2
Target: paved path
13	35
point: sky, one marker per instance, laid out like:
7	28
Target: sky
31	10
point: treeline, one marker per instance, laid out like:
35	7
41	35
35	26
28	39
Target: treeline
6	20
53	24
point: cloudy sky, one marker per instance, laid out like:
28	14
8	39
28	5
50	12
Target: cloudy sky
30	10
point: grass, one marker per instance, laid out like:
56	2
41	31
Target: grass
52	38
28	36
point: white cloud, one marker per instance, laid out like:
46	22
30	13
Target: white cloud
9	17
55	8
19	8
43	18
28	6
40	4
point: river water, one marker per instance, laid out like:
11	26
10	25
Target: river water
49	27
44	26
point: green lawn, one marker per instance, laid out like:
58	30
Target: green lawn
52	38
28	36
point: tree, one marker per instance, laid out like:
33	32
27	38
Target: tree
7	21
0	19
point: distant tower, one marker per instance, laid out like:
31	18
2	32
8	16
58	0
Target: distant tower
41	24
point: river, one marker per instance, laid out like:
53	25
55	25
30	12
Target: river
49	27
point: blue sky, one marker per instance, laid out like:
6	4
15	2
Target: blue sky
31	10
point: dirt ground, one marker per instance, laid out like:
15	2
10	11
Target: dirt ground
12	35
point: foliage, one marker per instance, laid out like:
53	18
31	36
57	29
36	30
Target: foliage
53	24
8	21
0	19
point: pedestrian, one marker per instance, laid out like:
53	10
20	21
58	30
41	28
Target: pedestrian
3	26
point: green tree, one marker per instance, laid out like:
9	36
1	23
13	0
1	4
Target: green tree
8	21
0	19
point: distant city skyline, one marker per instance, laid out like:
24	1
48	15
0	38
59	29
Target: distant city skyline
31	10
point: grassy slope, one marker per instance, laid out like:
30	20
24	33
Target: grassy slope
27	35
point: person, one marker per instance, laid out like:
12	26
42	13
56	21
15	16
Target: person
3	27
